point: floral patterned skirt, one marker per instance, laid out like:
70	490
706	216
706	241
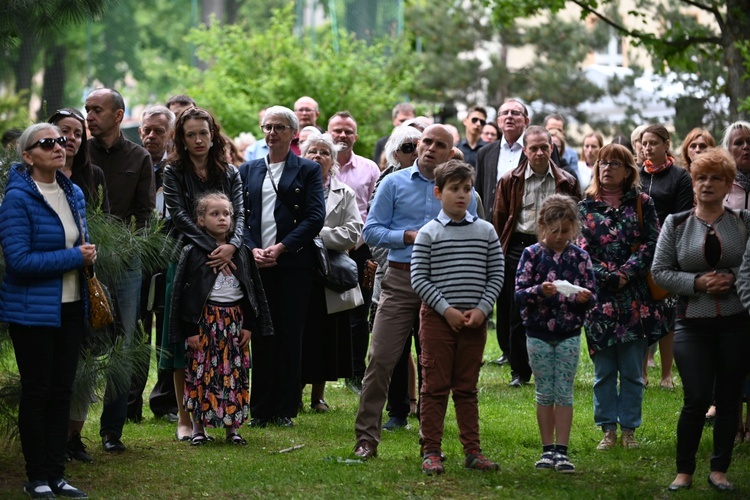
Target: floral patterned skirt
217	384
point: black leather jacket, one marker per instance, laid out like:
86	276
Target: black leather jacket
182	189
192	285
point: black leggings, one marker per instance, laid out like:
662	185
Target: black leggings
708	350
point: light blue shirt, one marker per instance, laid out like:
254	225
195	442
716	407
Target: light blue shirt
572	157
256	150
404	201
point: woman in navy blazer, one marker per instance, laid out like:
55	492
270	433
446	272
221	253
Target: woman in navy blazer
284	211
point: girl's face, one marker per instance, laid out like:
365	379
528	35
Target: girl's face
654	148
557	236
197	136
590	150
73	130
217	219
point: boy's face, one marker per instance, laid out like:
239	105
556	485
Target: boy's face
455	197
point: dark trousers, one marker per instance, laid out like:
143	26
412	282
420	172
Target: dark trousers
708	350
47	359
509	323
398	392
277	359
360	324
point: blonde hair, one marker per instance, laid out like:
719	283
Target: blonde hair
556	209
201	205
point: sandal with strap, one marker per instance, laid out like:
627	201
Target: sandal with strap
236	440
198	439
320	406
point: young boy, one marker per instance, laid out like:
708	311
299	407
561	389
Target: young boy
457	269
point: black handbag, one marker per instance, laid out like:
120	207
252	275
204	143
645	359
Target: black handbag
333	269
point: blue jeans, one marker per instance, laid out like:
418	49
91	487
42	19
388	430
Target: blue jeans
624	407
127	295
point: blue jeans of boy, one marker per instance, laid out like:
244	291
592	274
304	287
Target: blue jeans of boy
613	405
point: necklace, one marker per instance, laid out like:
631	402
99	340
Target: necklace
709	225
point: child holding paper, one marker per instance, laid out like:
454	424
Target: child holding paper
554	289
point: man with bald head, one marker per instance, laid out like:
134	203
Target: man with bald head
307	111
403	203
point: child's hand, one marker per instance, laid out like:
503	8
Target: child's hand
193	342
583	296
474	318
548	289
455	319
245	338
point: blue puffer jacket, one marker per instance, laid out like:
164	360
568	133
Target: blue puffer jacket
33	241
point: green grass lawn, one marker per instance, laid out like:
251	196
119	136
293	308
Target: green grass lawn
157	466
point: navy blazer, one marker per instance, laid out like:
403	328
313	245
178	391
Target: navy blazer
300	209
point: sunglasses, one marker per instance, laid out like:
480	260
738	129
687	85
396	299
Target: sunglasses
408	148
279	128
65	112
476	119
48	144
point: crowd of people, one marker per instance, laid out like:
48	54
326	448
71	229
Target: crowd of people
439	230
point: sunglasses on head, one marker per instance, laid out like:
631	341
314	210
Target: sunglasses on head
408	148
65	112
476	119
48	144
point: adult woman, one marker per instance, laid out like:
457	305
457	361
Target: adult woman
697	257
635	141
327	341
737	141
592	143
43	299
490	132
90	178
78	167
696	142
621	244
285	211
672	191
197	165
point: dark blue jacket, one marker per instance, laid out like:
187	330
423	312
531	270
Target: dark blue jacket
300	209
33	241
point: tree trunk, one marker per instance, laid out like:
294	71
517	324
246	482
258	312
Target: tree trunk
53	90
24	68
738	88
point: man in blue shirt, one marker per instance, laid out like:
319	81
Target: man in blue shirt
404	202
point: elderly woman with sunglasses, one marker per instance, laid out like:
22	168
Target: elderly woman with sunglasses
619	231
44	300
699	257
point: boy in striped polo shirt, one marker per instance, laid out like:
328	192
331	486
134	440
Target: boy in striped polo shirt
457	269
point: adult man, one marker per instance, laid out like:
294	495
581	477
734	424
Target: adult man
475	120
157	123
555	121
130	184
307	111
520	194
360	174
178	103
399	114
258	149
404	202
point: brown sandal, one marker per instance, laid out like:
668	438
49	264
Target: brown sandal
320	406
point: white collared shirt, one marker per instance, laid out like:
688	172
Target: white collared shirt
509	156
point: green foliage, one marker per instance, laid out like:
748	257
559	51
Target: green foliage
249	69
11	114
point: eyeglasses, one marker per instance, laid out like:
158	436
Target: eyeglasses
512	112
612	165
408	148
320	152
279	128
48	144
65	112
476	120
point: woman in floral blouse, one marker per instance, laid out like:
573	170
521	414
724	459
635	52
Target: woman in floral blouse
625	319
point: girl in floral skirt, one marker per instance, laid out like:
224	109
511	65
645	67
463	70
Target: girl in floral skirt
215	315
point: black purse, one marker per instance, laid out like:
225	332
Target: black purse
333	269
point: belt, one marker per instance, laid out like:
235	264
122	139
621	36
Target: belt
399	265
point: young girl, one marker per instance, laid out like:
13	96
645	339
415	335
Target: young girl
553	318
215	314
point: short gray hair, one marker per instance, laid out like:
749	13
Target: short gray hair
27	136
283	112
160	110
401	134
327	141
739	125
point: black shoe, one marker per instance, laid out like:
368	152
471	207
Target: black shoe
285	422
680	486
77	450
259	422
112	444
517	381
63	489
394	423
720	486
354	384
38	489
502	360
